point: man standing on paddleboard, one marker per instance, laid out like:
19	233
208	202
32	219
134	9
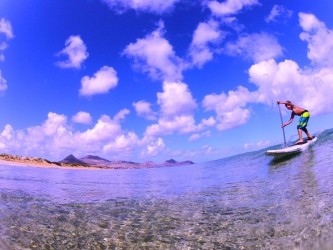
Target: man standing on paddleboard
303	120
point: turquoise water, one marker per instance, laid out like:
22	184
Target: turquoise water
247	201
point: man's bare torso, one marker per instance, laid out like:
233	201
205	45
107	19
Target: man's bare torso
297	110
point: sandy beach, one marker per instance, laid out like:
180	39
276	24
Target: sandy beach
38	162
45	165
74	163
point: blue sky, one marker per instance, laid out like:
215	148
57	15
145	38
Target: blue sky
157	79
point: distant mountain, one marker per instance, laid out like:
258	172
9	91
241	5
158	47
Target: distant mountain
99	161
94	160
173	162
94	157
187	162
149	164
71	159
124	162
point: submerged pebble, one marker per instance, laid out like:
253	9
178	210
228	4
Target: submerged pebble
242	202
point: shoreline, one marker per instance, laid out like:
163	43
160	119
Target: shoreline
10	160
15	160
30	164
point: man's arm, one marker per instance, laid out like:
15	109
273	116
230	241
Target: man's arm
285	102
290	120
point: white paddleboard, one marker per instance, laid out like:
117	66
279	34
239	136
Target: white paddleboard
292	149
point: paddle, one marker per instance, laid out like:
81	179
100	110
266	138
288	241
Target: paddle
284	136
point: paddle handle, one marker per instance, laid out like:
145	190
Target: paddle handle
284	135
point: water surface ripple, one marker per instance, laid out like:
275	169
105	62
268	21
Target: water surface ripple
247	201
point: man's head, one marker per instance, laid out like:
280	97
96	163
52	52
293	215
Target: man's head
289	105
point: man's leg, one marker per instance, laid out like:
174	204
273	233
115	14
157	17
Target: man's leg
307	133
300	135
303	122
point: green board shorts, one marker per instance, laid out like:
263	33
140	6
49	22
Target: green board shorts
303	120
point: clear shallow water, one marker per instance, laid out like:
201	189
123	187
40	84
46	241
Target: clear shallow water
247	201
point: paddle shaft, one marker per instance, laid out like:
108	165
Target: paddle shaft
284	135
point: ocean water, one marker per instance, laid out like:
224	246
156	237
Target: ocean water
247	201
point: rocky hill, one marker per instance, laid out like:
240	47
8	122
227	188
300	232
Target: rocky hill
96	161
90	161
174	162
72	160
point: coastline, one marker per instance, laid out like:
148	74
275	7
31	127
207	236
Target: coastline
20	161
71	162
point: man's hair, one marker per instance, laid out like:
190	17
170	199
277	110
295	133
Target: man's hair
288	103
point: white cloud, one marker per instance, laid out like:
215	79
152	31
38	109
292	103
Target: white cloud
259	144
319	39
197	136
154	55
229	7
206	32
278	14
175	99
36	139
121	115
181	124
122	143
233	118
230	108
82	117
287	81
143	109
107	136
176	110
55	124
6	137
205	35
3	46
276	80
255	47
6	28
176	114
104	129
306	87
3	84
208	150
154	6
76	51
52	137
208	122
7	133
194	137
154	147
199	154
310	22
103	80
56	138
